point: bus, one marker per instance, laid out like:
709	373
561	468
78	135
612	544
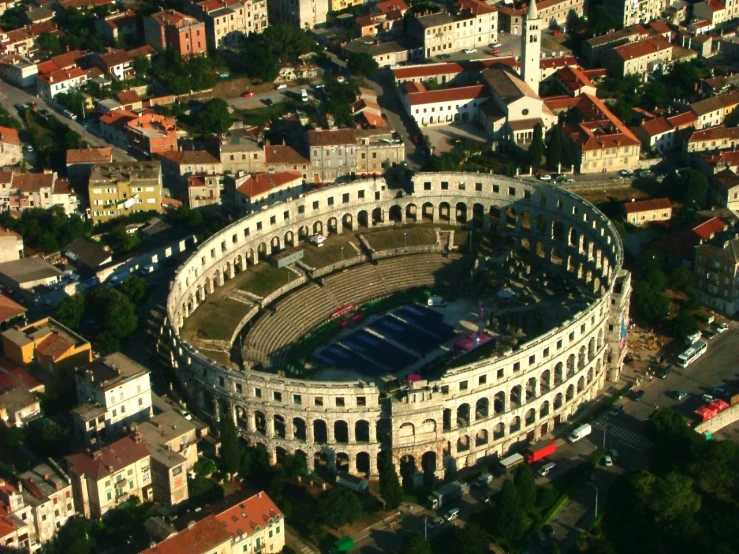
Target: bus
692	353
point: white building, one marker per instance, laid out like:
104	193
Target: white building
444	106
531	47
62	80
253	192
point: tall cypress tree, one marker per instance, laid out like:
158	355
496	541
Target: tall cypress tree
525	486
508	507
536	150
390	489
230	447
554	151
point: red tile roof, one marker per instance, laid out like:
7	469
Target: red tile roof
13	376
90	155
647	205
449	68
128	97
61	75
707	229
260	183
392	5
204	536
448	95
53	346
413	86
657	126
246	516
475	7
681	242
714	5
117	118
715	133
373	119
110	459
9	136
641	48
280	154
682	119
33	182
190	157
9	309
574	78
167	18
336	137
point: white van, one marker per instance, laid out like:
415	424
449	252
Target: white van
304	94
546	468
580	432
70	115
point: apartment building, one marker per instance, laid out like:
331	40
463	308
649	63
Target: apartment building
443	106
118	25
717	275
304	14
105	478
553	13
172	30
47	342
23	40
62	80
16	520
476	24
119	64
647	211
712	11
256	191
281	157
436	32
594	48
204	190
11	245
242	150
121	188
665	133
227	22
180	165
18	70
644	56
152	133
713	111
18	406
207	536
713	138
633	12
47	490
113	391
11	151
725	189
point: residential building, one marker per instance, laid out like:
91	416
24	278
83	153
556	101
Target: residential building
713	11
16	520
254	192
717	275
732	9
113	391
386	53
18	406
117	26
119	64
227	22
28	273
242	150
304	14
23	40
713	138
18	70
208	536
21	191
281	157
647	211
152	133
104	479
713	162
80	162
594	48
11	151
113	127
47	491
255	524
204	190
644	56
87	255
657	134
436	32
62	80
13	376
632	12
172	30
121	188
443	106
475	25
600	142
678	246
713	111
47	342
11	313
575	81
553	13
11	245
179	165
725	189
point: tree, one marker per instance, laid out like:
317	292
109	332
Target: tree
141	65
681	278
554	151
214	118
254	461
205	466
362	64
685	324
75	536
49	45
230	447
338	507
602	20
525	486
673	498
471	540
294	466
136	289
508	512
692	186
417	545
71	310
536	148
114	316
390	489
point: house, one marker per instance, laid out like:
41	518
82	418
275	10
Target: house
717	275
713	111
303	14
242	150
182	164
647	211
118	64
644	56
16	521
476	24
443	106
121	188
255	524
385	53
18	70
23	40
435	32
657	134
48	343
152	133
574	81
28	273
553	13
113	127
80	162
725	189
172	30
678	246
254	192
108	477
204	190
114	392
713	11
11	150
228	22
11	313
713	162
208	536
18	406
631	12
713	138
87	255
21	191
62	80
280	157
116	26
11	245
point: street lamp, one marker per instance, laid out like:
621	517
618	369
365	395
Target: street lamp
596	497
342	253
405	241
605	429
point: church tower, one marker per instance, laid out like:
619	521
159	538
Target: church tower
531	47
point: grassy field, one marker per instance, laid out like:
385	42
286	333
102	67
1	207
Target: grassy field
329	253
215	319
415	235
263	279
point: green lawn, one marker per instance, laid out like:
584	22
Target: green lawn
328	254
411	235
215	319
263	279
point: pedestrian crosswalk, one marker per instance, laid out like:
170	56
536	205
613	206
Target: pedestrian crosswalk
629	438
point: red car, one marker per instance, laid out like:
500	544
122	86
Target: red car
557	33
495	51
247	94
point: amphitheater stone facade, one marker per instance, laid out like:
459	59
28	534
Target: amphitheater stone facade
470	413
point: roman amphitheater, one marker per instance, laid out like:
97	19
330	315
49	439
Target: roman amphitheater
339	356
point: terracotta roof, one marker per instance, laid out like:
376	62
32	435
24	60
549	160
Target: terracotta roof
117	118
145	50
373	119
391	5
7	527
449	68
53	346
562	61
8	233
574	78
9	309
714	103
682	119
260	183
172	202
119	57
174	19
413	86
647	205
13	376
246	516
204	536
61	75
190	157
108	459
660	26
280	154
90	155
6	177
657	126
642	47
337	137
727	179
9	136
475	7
32	182
709	228
128	97
714	5
715	133
724	158
448	95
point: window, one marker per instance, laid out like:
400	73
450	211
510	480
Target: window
258	392
110	496
482	380
500	373
517	366
318	401
463	385
546	352
444	185
532	360
339	401
427	186
277	396
315	205
301	209
559	344
297	399
478	187
361	401
572	337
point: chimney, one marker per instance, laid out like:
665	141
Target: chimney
46	476
58	485
190	524
160	424
96	455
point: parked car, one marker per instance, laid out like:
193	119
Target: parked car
664	372
283	86
185	414
557	33
626	173
149	268
44	112
434	523
721	327
607	461
247	94
470	50
708	398
19	107
637	395
710	334
545	177
720	391
679	395
267	101
452	514
617	410
569	181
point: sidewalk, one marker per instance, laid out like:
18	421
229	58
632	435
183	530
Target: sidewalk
296	543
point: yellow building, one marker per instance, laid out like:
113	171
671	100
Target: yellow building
47	342
337	5
122	188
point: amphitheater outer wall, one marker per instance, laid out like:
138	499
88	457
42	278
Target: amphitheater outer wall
471	412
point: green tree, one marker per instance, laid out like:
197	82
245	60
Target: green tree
71	310
417	545
525	482
390	488
230	447
114	316
470	540
673	498
554	150
254	461
508	518
294	466
602	20
362	64
338	507
214	118
681	278
685	324
205	467
136	289
142	65
691	187
75	536
536	148
650	301
49	45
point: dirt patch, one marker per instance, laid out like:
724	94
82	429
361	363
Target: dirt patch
231	88
619	194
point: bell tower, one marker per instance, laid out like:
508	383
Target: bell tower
531	47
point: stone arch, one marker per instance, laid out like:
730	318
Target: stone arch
581	384
515	425
600	339
407	469
570	394
318	227
332	225
428	428
544	409
300	429
515	396
376	216
363	463
362	431
494	214
581	358
363	218
482	408
395	214
289	238
320	431
342	462
530	389
499	431
463	443
499	403
341	432
447	419
260	422
558	231
460	212
445	211
511	217
541	224
572	237
411	212
591	348
463	415
280	454
481	438
530	417
545	381
300	454
570	365
597	367
558	401
406	430
478	214
321	462
429	462
590	375
427	211
279	424
347	222
242	418
303	232
558	374
274	245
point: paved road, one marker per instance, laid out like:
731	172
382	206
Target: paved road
12	95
